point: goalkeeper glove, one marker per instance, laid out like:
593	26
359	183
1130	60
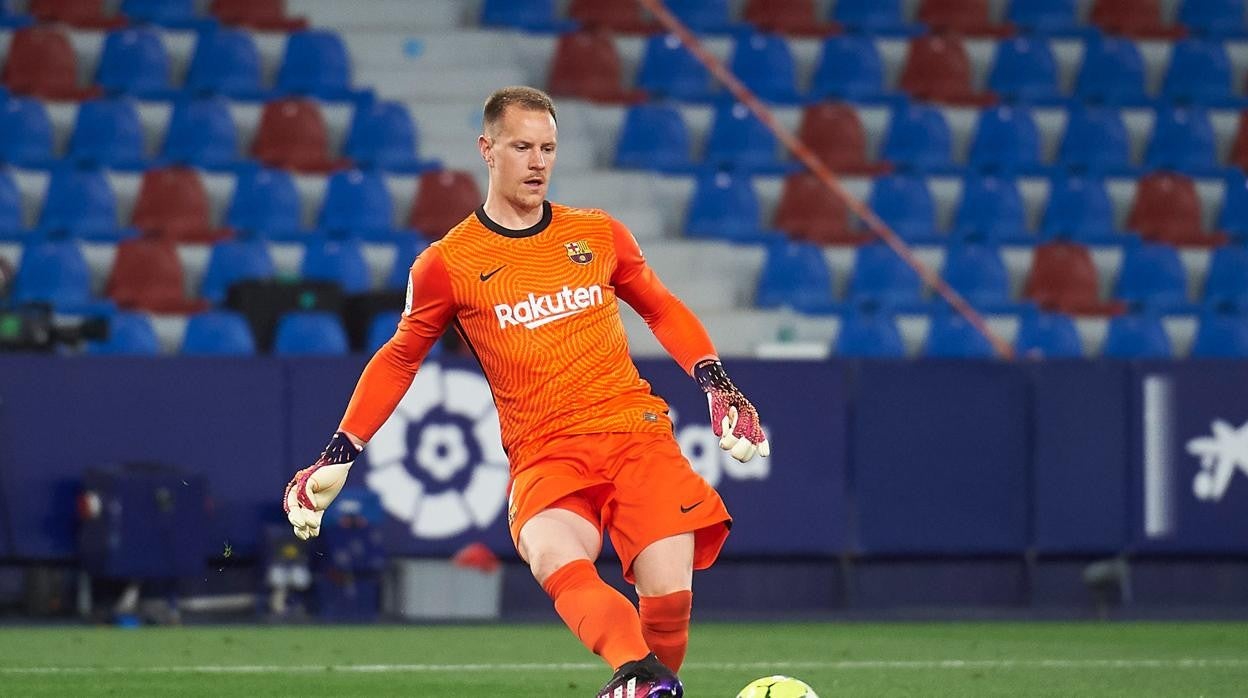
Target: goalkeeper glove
312	490
733	418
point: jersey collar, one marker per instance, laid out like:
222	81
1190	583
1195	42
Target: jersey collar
508	232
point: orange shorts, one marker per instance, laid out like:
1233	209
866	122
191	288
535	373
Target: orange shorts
637	487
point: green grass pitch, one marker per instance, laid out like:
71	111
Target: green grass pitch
838	659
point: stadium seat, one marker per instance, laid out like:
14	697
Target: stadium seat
739	140
11	225
706	16
80	14
950	336
357	204
315	63
443	200
1095	141
977	273
809	211
134	61
1044	15
406	249
724	207
654	137
795	275
918	138
765	64
265	203
1182	140
262	15
338	261
1213	17
169	13
531	15
218	333
586	66
41	63
881	277
1199	73
310	334
1167	209
1239	148
966	17
173	204
382	327
790	17
869	334
849	67
108	133
1227	282
1112	72
292	135
226	61
25	132
80	203
1064	279
1152	278
870	16
1024	70
905	204
1233	219
1221	336
623	16
1140	19
382	135
53	272
147	275
937	69
232	261
1044	335
1078	209
202	133
668	69
1005	140
129	334
991	208
1136	336
834	133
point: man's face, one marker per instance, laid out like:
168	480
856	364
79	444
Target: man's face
520	153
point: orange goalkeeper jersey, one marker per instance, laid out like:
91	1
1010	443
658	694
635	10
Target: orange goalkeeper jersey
539	309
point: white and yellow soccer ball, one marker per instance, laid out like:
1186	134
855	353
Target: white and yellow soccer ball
777	687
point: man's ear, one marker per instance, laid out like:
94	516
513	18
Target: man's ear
486	147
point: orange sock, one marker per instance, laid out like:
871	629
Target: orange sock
665	625
601	617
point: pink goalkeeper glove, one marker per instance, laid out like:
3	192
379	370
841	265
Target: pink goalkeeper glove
312	490
733	418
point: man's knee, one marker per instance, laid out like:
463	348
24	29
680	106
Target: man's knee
665	566
555	538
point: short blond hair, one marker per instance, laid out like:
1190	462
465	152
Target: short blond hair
519	96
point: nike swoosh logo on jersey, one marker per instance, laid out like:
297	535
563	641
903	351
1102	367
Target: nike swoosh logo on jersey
486	277
686	509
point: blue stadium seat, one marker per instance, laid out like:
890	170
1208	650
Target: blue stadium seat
654	137
1200	73
991	208
918	138
11	224
950	336
1228	276
25	132
1112	72
53	272
1137	336
880	276
709	16
1044	15
1233	220
310	334
532	15
1152	277
978	274
1095	141
218	333
1213	17
1044	335
108	133
739	140
870	15
129	334
764	63
1005	140
202	133
869	334
849	67
233	261
1221	336
227	62
725	207
381	328
80	203
383	135
1078	209
338	261
1024	70
134	61
1183	141
265	204
669	70
315	63
406	249
357	204
169	13
795	275
905	204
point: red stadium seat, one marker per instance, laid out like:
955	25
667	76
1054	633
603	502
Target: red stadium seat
292	135
971	17
1239	151
147	275
587	66
1167	209
83	14
265	15
834	133
1064	279
443	200
1134	18
613	15
937	69
173	204
808	211
42	63
796	17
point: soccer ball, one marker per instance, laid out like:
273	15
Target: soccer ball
777	687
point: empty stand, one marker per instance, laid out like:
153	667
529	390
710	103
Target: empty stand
765	64
991	208
938	69
978	274
1134	18
1152	277
850	67
1137	336
218	333
336	261
147	275
1064	279
1095	140
1024	69
969	17
918	137
869	334
1167	209
382	135
202	133
80	203
108	133
227	62
950	336
41	63
134	61
905	204
1044	15
1005	140
1221	336
264	15
808	211
310	334
792	17
357	204
654	137
834	133
292	135
81	14
231	262
881	277
25	132
265	203
1044	335
625	16
443	200
53	272
1079	208
586	65
669	70
129	334
173	204
795	275
315	63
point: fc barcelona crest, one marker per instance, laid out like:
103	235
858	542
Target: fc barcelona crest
579	251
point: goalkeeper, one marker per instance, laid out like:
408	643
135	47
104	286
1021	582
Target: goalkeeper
532	287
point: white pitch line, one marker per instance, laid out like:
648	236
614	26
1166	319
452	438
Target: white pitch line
868	664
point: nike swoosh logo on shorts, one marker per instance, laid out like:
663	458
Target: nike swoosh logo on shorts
691	507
